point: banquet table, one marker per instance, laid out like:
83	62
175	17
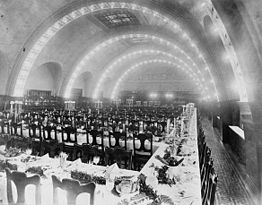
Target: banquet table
186	190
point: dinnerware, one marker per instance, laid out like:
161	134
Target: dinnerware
126	187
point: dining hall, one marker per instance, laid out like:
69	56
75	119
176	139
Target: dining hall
130	102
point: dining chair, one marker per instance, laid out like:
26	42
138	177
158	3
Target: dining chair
21	181
69	140
208	194
205	174
120	156
142	153
35	133
206	158
73	188
202	153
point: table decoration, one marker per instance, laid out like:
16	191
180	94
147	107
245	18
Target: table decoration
36	170
28	158
169	161
137	199
63	156
21	143
169	140
152	194
81	176
12	152
164	176
5	164
144	188
184	150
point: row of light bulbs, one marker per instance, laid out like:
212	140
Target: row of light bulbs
204	90
111	68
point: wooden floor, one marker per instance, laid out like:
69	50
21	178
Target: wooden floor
231	187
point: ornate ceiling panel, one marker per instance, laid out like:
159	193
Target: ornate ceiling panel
117	18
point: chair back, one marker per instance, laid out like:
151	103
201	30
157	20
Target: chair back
21	181
73	189
5	127
48	131
95	134
117	137
208	192
69	135
14	129
35	132
142	138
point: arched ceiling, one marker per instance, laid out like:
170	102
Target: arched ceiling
91	36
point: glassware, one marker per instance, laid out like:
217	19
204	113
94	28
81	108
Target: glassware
151	179
28	151
96	160
110	182
63	156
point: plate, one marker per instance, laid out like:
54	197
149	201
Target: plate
126	187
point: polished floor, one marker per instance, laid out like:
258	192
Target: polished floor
231	186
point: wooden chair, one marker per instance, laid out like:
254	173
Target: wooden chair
206	158
117	137
73	189
69	140
202	153
21	181
141	153
36	136
50	143
99	146
208	194
206	172
121	156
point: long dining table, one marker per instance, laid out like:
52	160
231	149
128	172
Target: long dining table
185	190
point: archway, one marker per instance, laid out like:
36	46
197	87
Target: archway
45	77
